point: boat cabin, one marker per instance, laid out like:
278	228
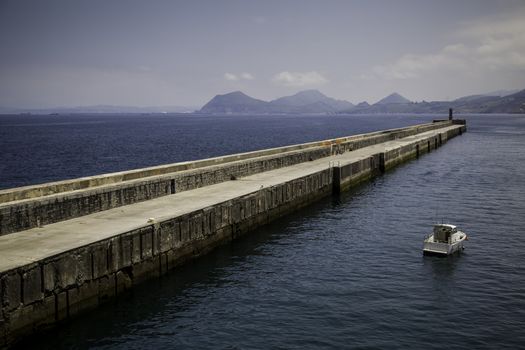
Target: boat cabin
442	232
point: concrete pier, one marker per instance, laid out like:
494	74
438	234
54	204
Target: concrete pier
72	245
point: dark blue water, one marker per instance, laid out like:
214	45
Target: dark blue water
37	149
348	272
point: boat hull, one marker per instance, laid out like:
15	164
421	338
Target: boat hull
443	252
430	247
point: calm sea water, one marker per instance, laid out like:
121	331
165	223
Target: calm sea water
345	272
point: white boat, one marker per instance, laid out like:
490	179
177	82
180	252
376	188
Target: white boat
446	239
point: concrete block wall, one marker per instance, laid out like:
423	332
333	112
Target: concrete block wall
414	150
348	175
46	292
25	214
41	190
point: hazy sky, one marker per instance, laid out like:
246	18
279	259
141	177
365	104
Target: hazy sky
147	53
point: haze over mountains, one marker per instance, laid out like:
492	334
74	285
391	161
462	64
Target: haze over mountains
314	102
100	109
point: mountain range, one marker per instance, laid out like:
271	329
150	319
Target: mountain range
314	102
303	102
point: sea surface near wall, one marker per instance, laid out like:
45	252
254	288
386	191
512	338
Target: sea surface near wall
38	149
348	272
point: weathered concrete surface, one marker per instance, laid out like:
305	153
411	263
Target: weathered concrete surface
379	158
23	214
55	271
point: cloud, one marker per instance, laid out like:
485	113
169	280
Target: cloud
496	44
500	25
237	77
299	79
230	77
411	66
247	76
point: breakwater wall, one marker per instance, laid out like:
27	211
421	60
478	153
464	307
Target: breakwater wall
32	206
351	172
53	271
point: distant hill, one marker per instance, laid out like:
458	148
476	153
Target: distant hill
470	98
301	98
363	104
234	102
393	103
514	103
310	101
394	98
303	102
502	93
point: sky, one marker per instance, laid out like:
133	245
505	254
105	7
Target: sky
182	53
